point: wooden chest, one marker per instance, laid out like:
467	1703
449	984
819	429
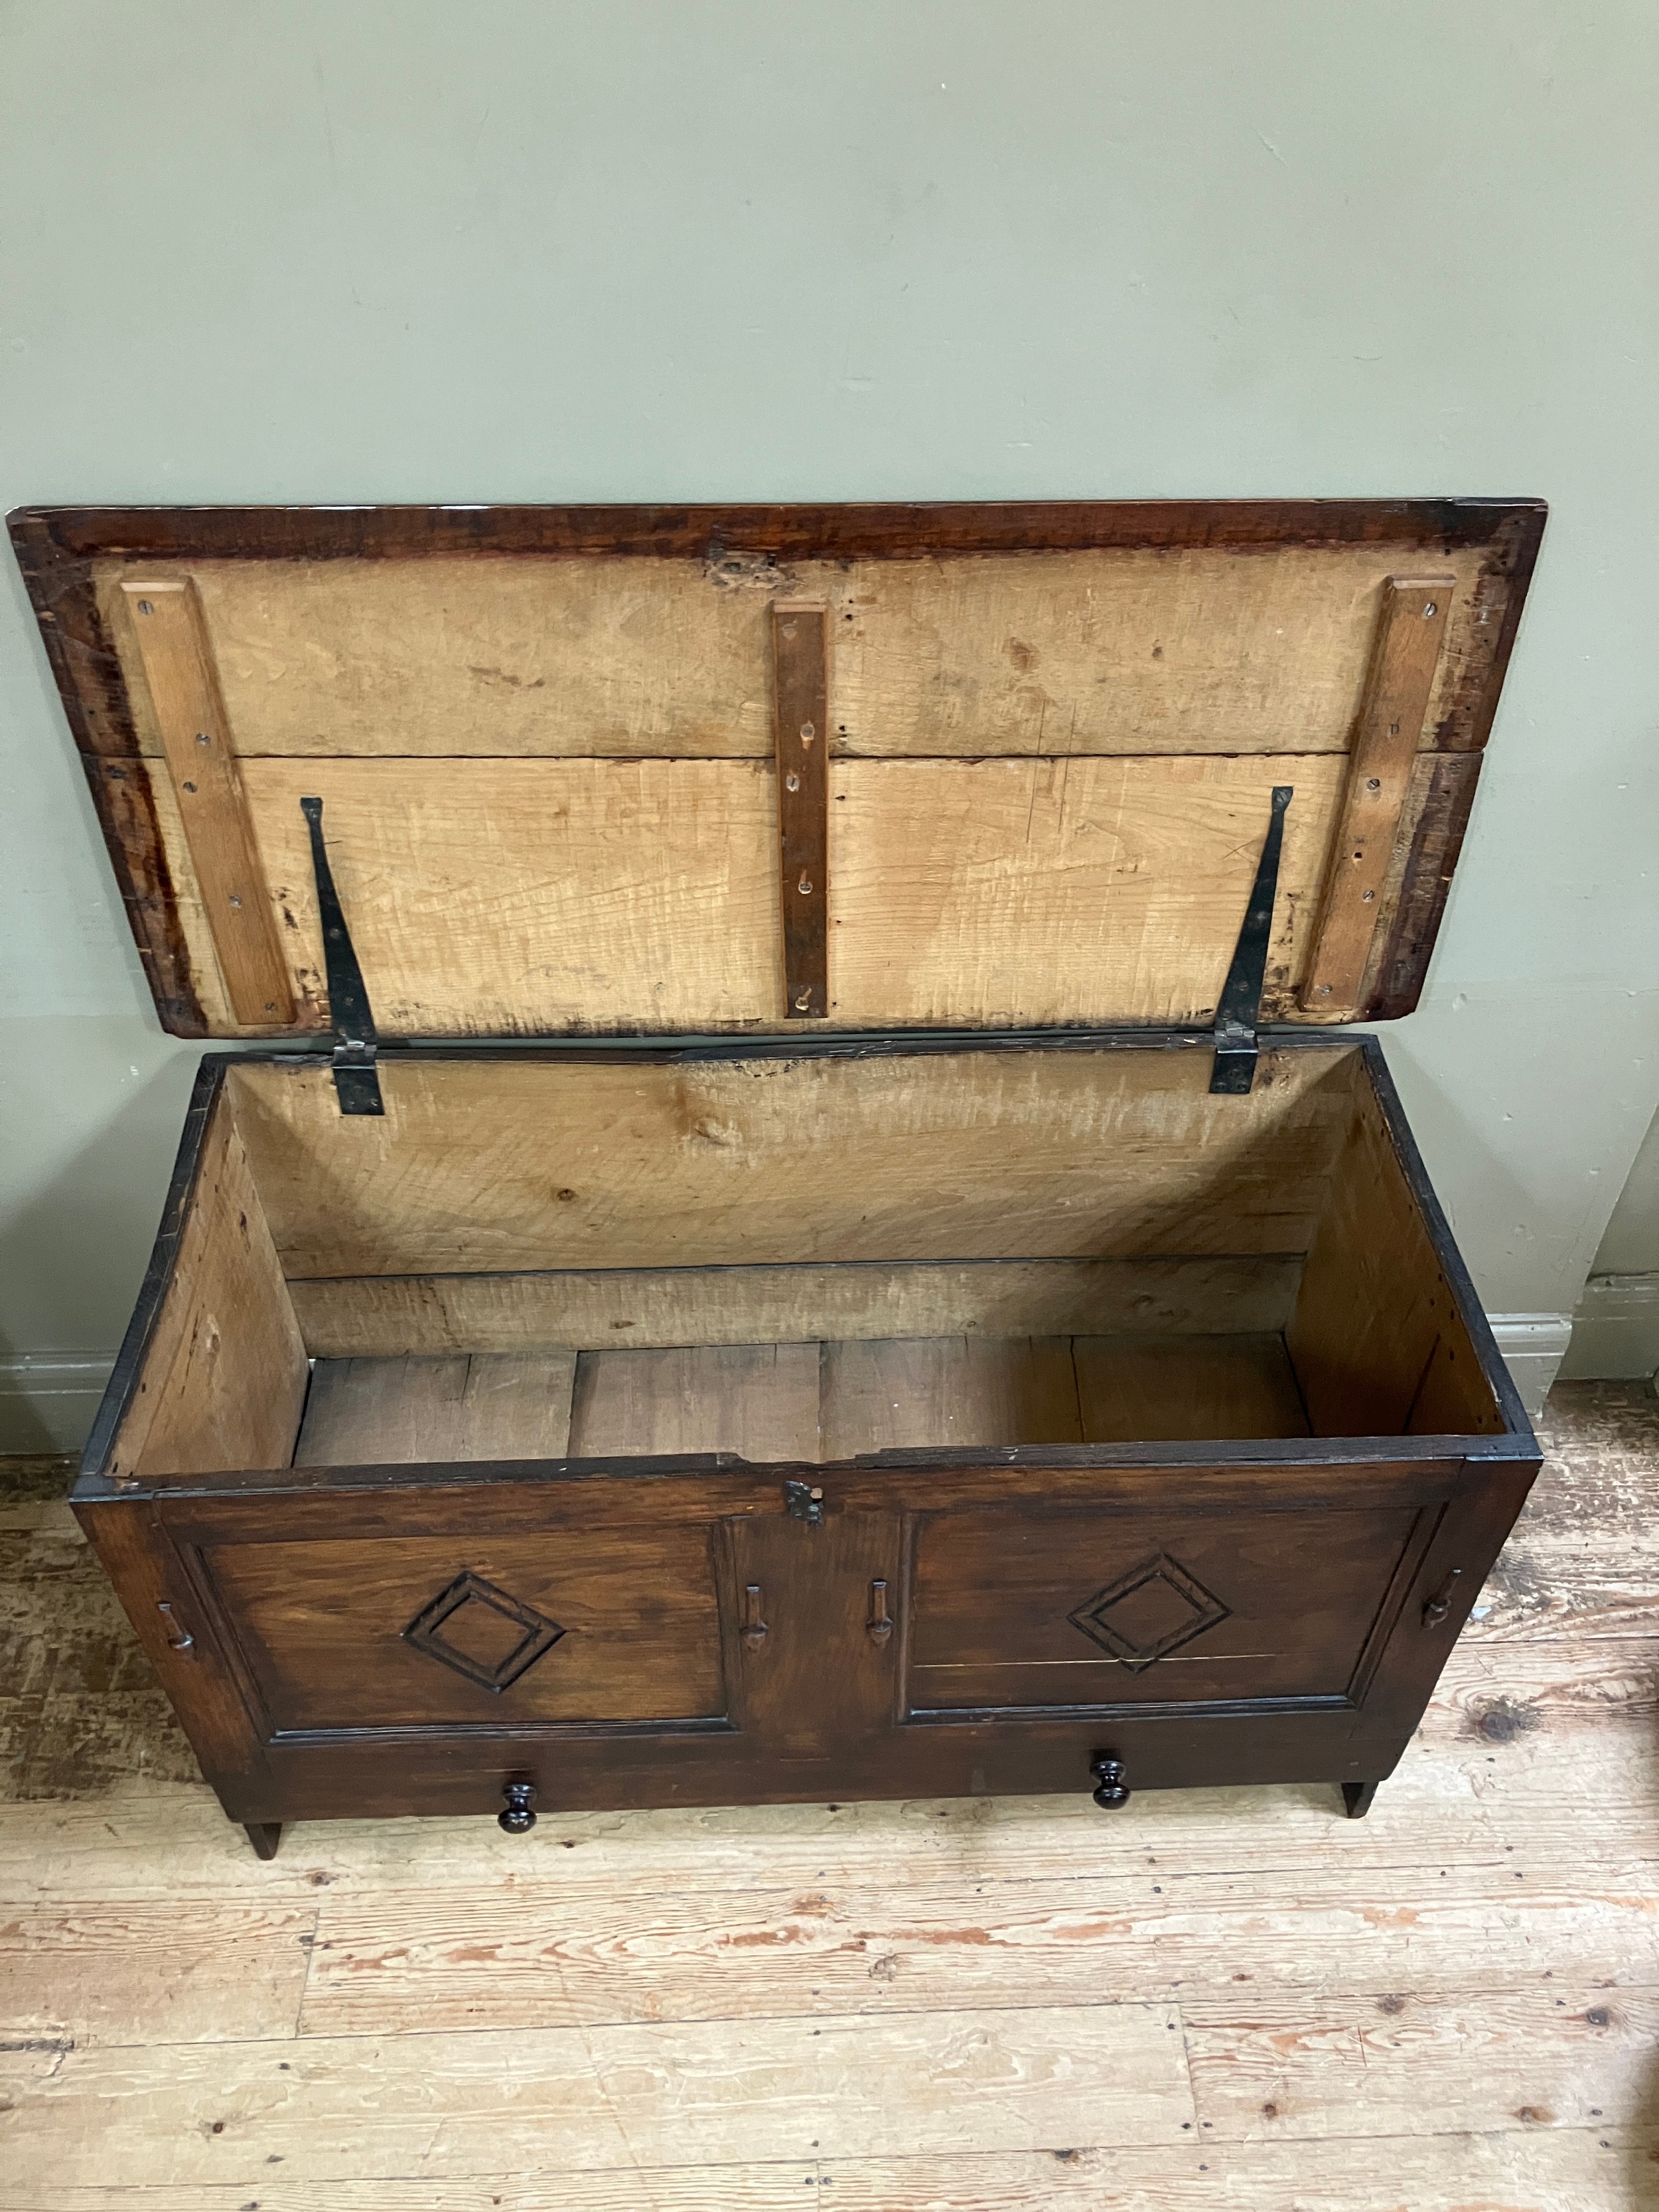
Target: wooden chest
763	1253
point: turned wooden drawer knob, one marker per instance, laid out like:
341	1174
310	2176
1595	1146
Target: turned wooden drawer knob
1440	1605
518	1816
1110	1789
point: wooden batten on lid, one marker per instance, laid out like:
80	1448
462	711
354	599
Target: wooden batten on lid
621	770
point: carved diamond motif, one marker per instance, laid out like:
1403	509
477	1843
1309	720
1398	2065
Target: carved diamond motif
1155	1608
482	1632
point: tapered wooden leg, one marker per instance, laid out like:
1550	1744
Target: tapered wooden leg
265	1836
1357	1797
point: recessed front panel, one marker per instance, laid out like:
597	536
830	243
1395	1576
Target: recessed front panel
1012	1610
605	1625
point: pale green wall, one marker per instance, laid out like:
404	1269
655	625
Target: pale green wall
632	249
1630	1244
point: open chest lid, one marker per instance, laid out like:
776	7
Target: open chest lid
627	770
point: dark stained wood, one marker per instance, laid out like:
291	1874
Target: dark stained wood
299	1646
1460	734
58	579
320	1627
126	813
1436	844
817	1678
801	735
91	687
1026	1609
144	1565
504	1501
916	530
1518	533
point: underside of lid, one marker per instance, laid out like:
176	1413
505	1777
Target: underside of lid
630	771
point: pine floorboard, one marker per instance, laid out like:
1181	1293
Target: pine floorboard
1224	1999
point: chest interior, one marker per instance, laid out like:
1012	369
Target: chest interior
967	842
803	1259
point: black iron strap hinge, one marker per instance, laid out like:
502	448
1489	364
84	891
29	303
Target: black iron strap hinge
1240	1009
356	1084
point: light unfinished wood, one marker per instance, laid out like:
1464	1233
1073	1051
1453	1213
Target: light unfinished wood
1016	891
102	1973
1546	1709
1508	1755
1134	1389
492	898
1189	650
955	1390
606	2097
1411	631
759	1401
1194	651
487	1165
829	1400
1353	2067
184	696
371	1413
1583	1563
489	898
224	1377
1594	2169
387	1317
455	1959
1376	1337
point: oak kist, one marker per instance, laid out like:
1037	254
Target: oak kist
753	1265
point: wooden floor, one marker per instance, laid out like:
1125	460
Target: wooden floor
1229	1999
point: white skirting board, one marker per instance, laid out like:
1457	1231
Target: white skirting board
47	1401
1534	1346
1616	1331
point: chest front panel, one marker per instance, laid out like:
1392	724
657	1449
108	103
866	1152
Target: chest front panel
1034	1611
601	1625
